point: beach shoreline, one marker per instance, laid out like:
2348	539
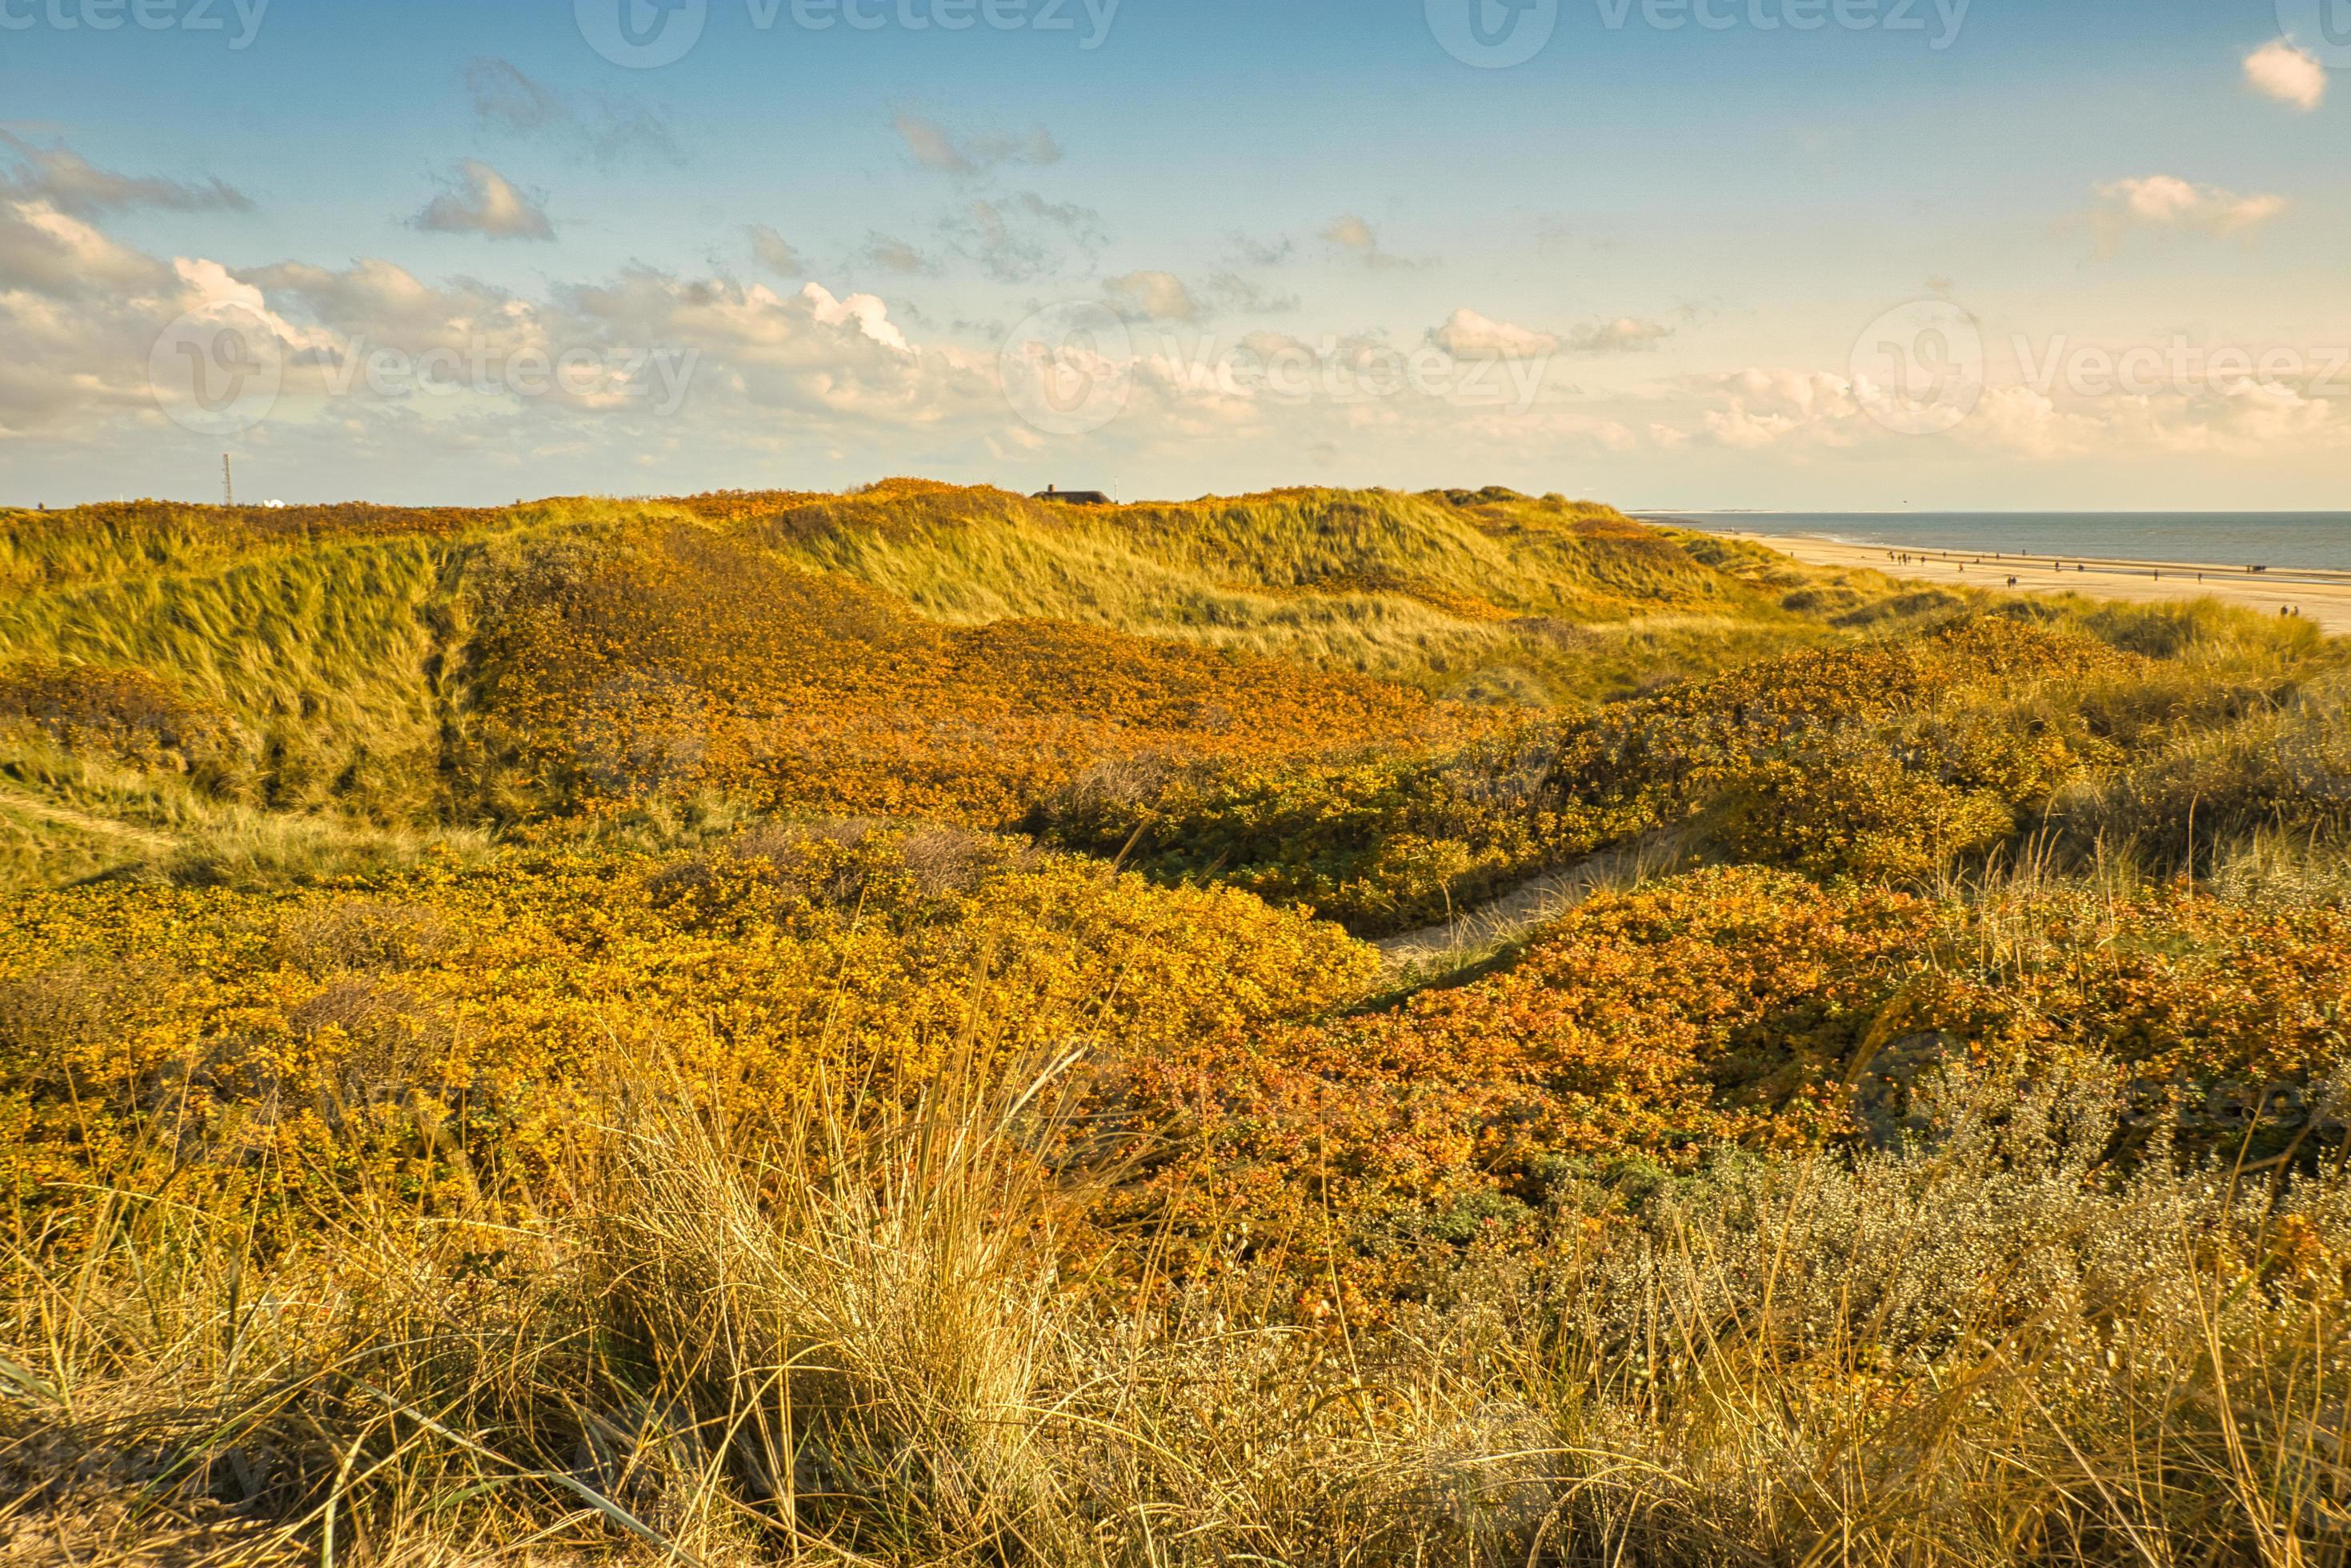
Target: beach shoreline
2321	596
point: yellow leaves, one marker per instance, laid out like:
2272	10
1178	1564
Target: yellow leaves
683	661
1861	813
446	1023
1874	761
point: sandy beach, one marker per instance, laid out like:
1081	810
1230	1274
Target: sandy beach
2322	598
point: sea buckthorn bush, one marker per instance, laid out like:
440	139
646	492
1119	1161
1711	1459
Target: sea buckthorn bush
1918	727
432	1031
686	663
127	715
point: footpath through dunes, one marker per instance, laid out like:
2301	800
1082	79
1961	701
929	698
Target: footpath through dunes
1911	759
1885	759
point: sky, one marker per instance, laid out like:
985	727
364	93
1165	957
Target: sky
1805	254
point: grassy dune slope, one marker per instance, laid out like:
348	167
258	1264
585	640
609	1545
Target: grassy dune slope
1448	590
911	649
1908	759
480	1082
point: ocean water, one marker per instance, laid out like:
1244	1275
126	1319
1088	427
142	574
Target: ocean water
2220	538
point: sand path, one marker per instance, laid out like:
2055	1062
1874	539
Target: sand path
1478	931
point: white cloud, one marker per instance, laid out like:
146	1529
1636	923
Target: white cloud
1231	288
1806	413
939	149
769	249
1021	237
1355	237
2164	203
2287	73
871	315
932	147
1152	296
53	253
483	202
599	125
1466	335
384	302
892	254
1251	250
1756	407
61	178
2028	422
1626	335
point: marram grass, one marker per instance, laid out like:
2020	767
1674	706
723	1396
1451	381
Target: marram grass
793	1028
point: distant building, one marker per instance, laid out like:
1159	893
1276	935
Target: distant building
1072	497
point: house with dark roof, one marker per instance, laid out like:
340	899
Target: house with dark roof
1072	497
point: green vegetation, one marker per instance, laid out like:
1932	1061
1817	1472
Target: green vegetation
1465	593
1904	759
383	674
778	1027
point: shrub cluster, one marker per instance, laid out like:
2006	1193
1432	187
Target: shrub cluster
1890	759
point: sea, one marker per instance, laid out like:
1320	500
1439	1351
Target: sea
2288	539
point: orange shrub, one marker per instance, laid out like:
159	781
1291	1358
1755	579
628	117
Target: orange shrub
1399	841
685	663
444	1030
125	714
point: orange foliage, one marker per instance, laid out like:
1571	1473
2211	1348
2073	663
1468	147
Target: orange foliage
126	713
687	661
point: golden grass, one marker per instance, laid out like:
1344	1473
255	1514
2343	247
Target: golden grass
347	658
1439	590
979	1276
720	1344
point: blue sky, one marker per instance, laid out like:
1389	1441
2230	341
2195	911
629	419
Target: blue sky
1292	243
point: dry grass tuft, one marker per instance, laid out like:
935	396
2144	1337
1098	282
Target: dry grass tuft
728	1345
